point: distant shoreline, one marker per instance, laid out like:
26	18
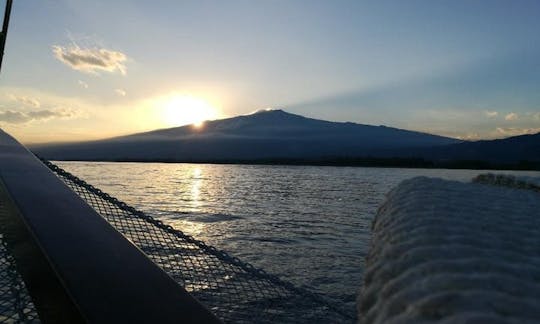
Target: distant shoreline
411	163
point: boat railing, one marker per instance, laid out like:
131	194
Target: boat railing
62	262
83	254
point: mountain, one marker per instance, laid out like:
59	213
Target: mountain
501	151
267	134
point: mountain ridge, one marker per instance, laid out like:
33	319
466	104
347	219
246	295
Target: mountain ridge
264	121
276	135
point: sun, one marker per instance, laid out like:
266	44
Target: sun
178	110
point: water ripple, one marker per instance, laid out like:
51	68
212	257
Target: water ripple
309	225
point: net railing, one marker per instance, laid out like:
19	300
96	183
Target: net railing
233	290
16	306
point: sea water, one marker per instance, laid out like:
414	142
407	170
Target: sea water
309	225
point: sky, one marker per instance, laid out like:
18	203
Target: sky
81	70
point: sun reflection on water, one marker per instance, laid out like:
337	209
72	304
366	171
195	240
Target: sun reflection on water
195	229
196	187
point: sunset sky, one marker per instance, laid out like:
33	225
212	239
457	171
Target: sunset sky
78	70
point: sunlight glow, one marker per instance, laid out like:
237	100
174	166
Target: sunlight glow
177	110
198	124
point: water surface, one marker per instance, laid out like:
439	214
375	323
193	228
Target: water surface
309	225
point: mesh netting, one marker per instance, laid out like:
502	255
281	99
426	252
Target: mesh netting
235	291
15	303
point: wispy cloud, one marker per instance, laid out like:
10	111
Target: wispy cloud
469	137
27	101
515	131
511	116
536	116
91	60
83	84
18	117
120	92
491	114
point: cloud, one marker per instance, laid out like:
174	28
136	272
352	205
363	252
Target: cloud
491	114
469	137
83	84
120	92
18	117
511	116
536	116
91	60
27	101
514	131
